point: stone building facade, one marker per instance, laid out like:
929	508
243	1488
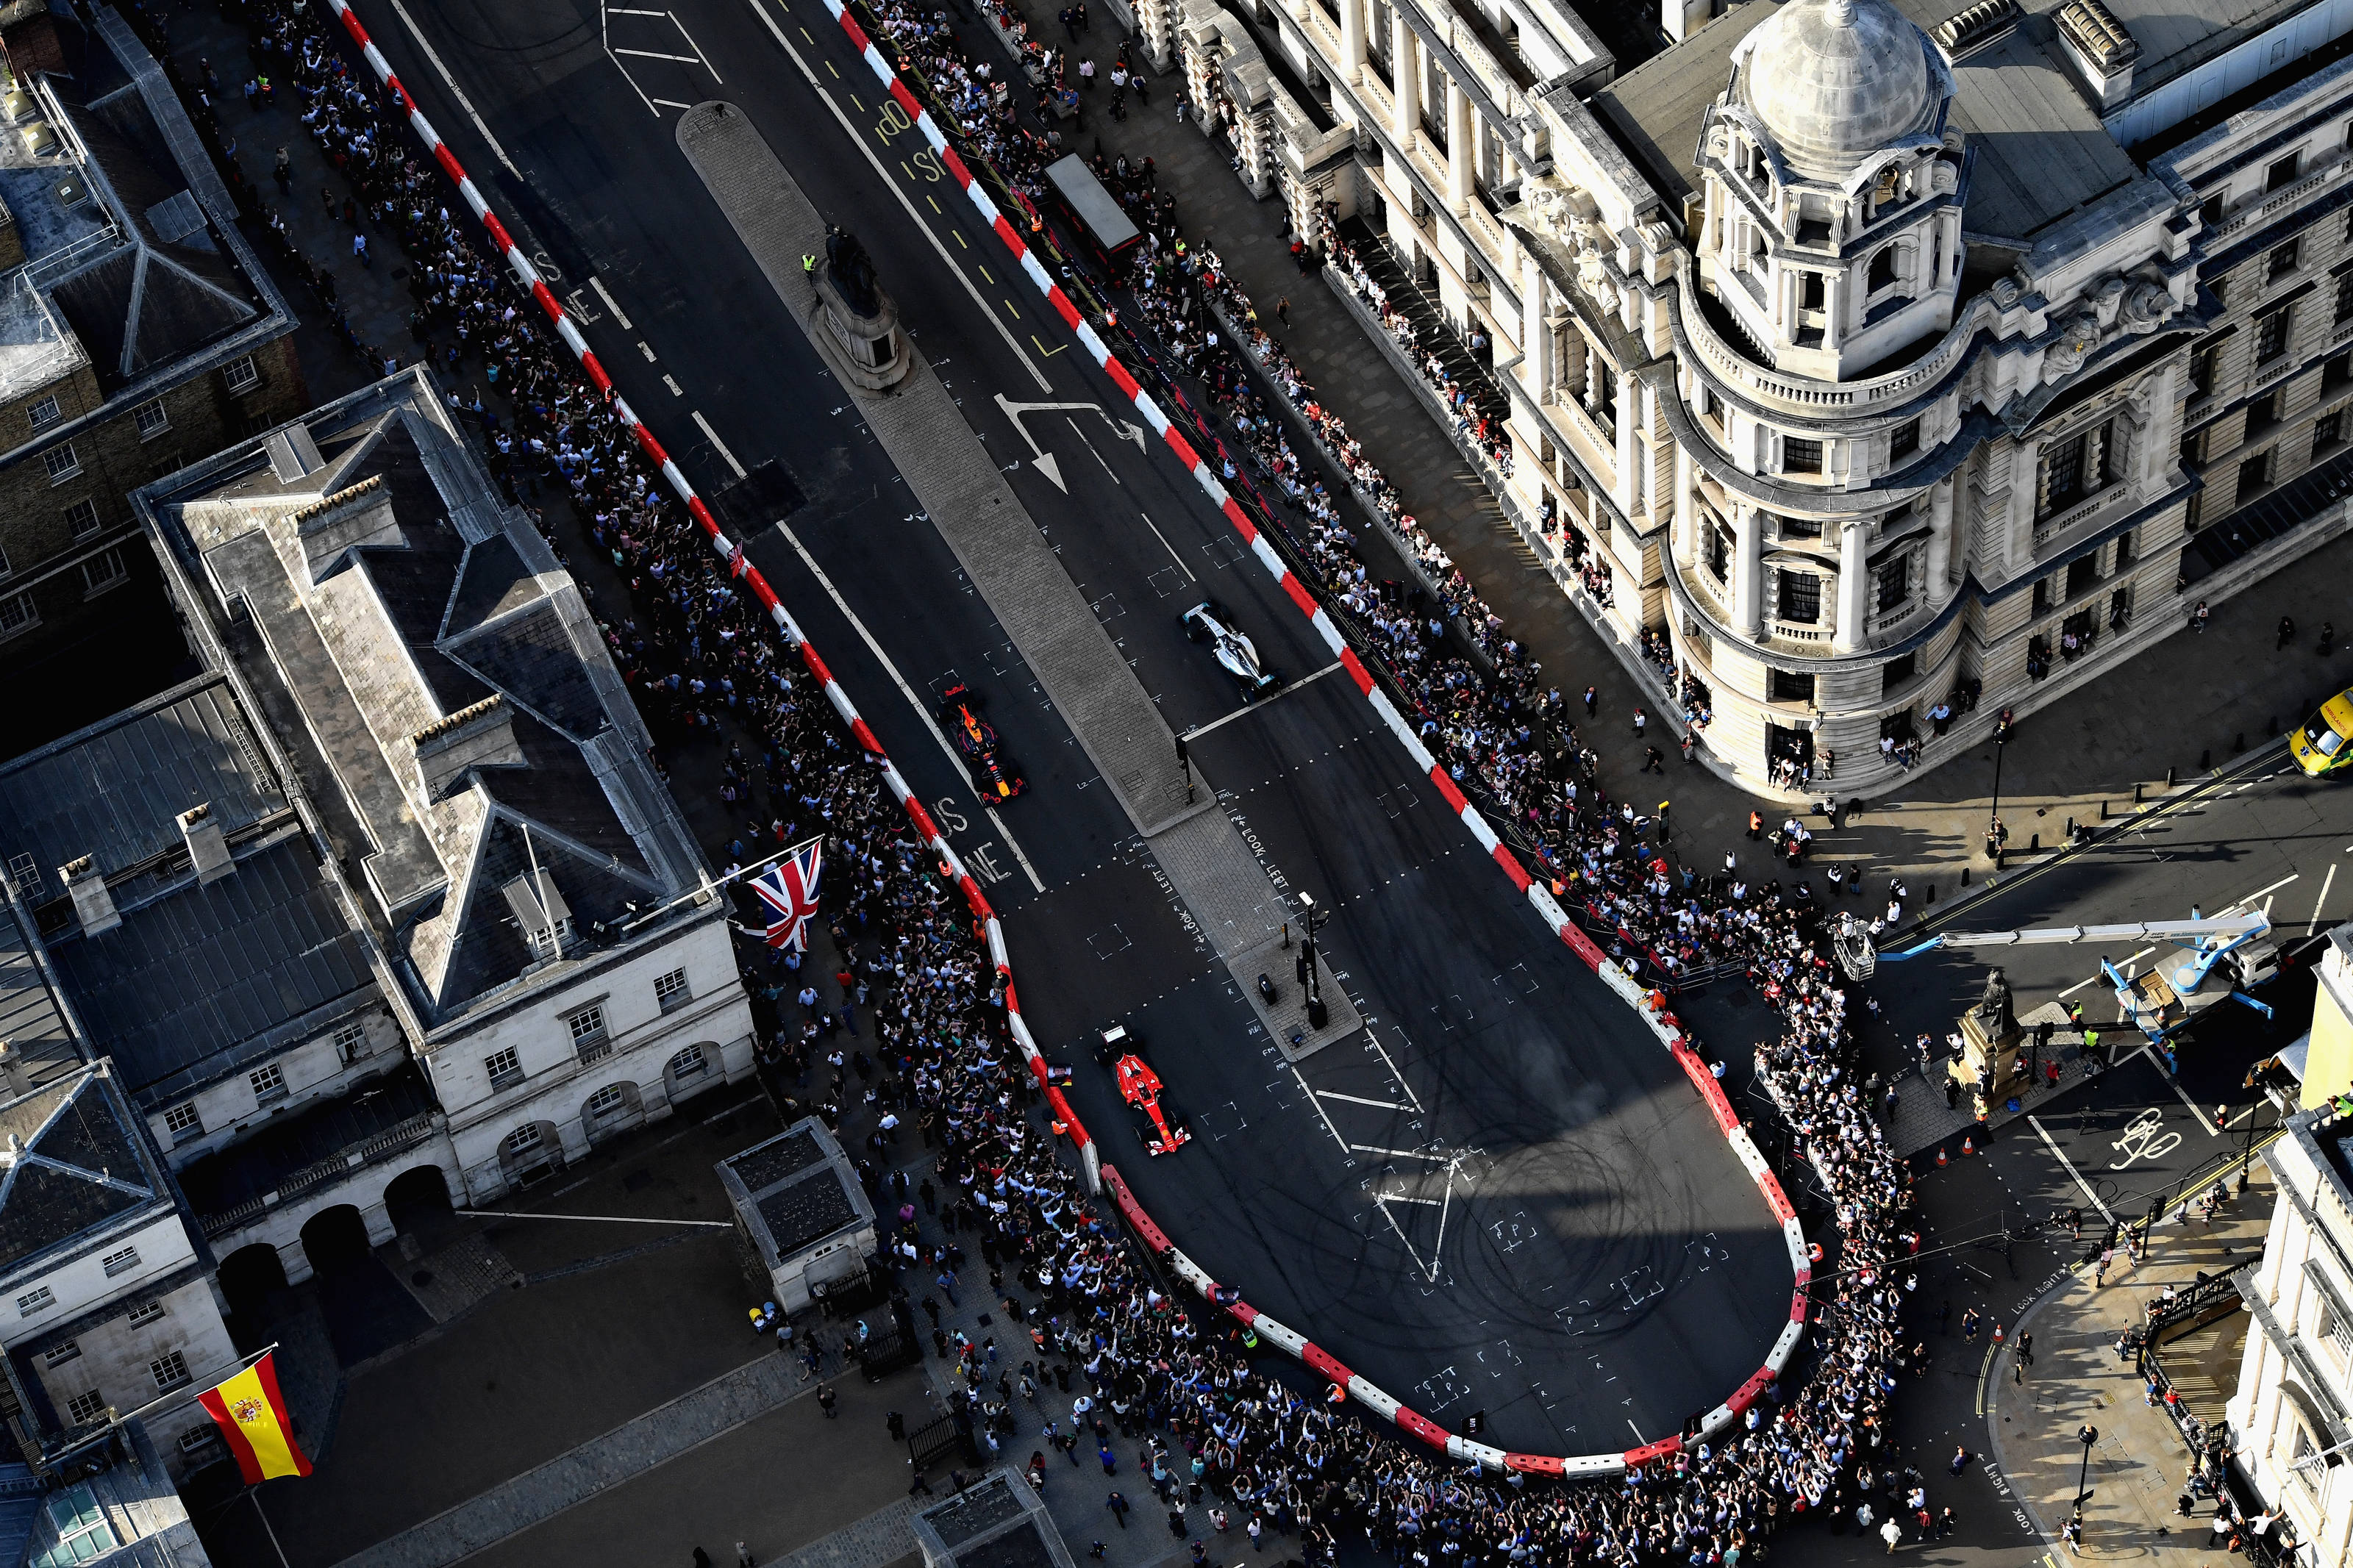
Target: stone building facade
1885	366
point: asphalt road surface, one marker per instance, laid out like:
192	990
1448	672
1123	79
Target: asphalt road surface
1501	1195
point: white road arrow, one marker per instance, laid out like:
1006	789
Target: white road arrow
1044	461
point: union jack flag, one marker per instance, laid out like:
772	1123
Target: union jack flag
789	889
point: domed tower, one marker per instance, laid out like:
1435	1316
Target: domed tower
1833	228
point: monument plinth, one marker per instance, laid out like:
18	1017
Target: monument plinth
1987	1065
854	322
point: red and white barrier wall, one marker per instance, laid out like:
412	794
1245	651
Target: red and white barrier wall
1651	1008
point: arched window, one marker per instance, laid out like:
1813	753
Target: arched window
1882	270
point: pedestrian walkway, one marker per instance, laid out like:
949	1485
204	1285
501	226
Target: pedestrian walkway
2139	1459
656	1437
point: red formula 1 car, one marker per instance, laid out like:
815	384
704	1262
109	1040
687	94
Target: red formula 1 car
1160	1127
975	740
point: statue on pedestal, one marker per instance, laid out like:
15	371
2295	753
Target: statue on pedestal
854	321
1993	1012
852	271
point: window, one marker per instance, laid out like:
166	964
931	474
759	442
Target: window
103	571
2255	474
606	1101
2209	211
120	1261
1811	290
2281	261
2201	367
2082	576
505	1068
1788	686
1891	583
45	412
84	1532
57	1355
589	1040
151	418
670	991
2271	333
2305	1448
1882	270
1799	598
2332	1325
525	1137
184	1121
170	1370
1903	440
146	1312
240	375
2127	547
81	518
2328	429
689	1062
1896	672
268	1082
85	1408
2345	299
2283	172
18	612
196	1439
36	1300
2041	595
1719	551
1800	527
61	462
2222	288
2074	468
1800	457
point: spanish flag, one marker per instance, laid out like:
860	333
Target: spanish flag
251	1414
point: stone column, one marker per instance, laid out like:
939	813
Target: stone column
1462	141
1940	536
1404	62
1855	580
1685	538
1748	572
1352	41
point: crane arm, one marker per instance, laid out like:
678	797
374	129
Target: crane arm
2153	930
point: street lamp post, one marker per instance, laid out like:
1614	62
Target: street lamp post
2087	1435
1993	817
1311	918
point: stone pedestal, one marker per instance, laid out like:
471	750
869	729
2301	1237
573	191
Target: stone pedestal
1987	1063
870	354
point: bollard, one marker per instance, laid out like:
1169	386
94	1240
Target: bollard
2168	775
2033	842
2205	759
2071	827
2135	794
2104	808
1965	876
2238	742
1932	892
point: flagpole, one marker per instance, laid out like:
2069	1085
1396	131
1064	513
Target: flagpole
180	1395
712	884
254	1492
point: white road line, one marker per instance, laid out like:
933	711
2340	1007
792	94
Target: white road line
1327	1119
1168	547
455	90
1400	1153
1406	1087
1359	1099
1437	1247
905	690
2326	883
2258	893
610	304
1250	707
720	446
851	131
2095	979
696	47
1026	869
2061	1155
2196	1115
654	55
1382	1204
1401	1198
1090	445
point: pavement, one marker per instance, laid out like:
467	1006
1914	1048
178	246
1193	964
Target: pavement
2140	1460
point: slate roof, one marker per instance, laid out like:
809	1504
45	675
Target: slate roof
2041	151
114	791
445	597
70	1159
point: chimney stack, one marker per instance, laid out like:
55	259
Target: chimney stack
207	845
93	905
480	736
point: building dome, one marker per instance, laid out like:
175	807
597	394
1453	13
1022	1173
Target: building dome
1836	81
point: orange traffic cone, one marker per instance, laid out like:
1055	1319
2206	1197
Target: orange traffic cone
1940	1159
1968	1147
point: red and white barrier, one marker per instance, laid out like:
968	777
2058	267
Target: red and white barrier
952	865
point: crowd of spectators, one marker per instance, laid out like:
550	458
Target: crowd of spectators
699	658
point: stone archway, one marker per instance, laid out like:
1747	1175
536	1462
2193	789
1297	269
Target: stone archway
615	1108
531	1153
416	1198
249	1277
335	1239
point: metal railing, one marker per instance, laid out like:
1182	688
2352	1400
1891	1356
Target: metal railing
323	1173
